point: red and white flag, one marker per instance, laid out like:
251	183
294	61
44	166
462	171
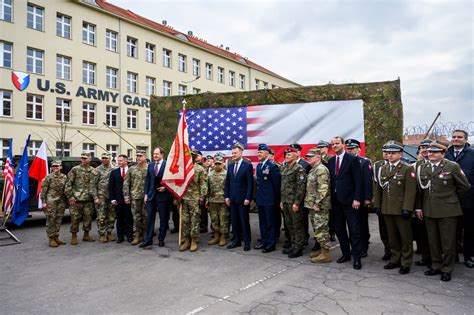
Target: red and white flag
39	169
179	169
9	175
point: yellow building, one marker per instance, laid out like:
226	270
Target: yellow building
92	67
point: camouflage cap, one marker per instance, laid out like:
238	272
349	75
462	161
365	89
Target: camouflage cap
221	154
313	152
56	162
141	152
322	144
238	145
209	157
194	151
352	144
86	155
435	146
218	160
425	142
105	155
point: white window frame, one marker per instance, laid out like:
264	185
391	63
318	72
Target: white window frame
182	89
220	75
111	78
4	147
132	82
132	118
63	25
88	33
196	90
150	50
257	84
63	67
167	58
111	116
88	72
132	47
112	149
265	85
231	78
182	63
4	52
33	147
111	40
34	60
88	113
242	81
3	9
209	71
35	17
6	102
167	88
150	86
89	148
147	120
36	106
196	67
63	108
67	149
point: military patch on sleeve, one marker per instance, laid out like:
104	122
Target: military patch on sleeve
301	177
412	174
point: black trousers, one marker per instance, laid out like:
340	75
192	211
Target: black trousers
466	225
239	218
364	228
124	223
345	215
164	214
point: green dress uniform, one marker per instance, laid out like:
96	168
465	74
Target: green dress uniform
419	231
382	227
395	195
441	188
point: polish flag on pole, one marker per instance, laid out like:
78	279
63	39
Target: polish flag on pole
39	169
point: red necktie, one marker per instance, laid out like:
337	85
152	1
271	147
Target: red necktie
337	166
156	169
123	173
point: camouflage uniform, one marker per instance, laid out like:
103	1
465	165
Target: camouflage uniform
100	189
190	215
52	195
217	207
77	187
325	158
134	190
293	184
318	193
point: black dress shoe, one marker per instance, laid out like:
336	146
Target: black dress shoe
445	276
233	245
404	270
175	230
258	246
246	247
422	263
432	272
286	251
129	239
343	259
357	264
363	254
469	263
287	244
391	265
295	253
332	238
145	244
161	243
119	240
386	257
268	249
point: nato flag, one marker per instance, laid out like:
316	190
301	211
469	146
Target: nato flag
22	192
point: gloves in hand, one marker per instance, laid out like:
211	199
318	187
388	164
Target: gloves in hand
406	214
378	211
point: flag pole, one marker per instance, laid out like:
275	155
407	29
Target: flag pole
3	198
180	203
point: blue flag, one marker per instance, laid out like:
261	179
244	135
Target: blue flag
22	189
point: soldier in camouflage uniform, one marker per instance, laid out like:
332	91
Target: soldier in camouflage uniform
293	187
79	197
318	199
216	203
134	194
53	202
100	193
193	198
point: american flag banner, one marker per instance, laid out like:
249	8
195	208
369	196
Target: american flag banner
9	175
215	130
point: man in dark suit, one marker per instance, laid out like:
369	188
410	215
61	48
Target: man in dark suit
268	195
238	193
346	186
156	197
123	211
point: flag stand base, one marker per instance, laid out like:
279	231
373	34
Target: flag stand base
10	236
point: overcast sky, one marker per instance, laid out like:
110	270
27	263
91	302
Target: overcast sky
428	44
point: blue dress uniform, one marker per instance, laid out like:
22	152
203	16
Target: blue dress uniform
268	194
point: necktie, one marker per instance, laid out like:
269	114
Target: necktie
434	168
456	153
236	167
123	172
337	166
392	167
156	169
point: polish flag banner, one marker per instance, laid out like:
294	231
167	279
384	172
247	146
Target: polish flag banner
213	130
39	169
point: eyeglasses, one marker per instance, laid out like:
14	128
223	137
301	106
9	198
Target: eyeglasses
55	165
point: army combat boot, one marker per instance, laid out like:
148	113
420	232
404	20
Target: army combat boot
194	244
324	257
74	239
136	239
58	241
184	245
87	237
214	240
103	238
110	237
223	240
315	253
52	242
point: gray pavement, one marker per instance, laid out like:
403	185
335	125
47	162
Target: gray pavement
119	278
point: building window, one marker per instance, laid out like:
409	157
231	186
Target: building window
257	84
231	78
5	146
63	110
182	89
242	81
220	75
111	116
5	103
132	118
132	49
63	149
89	148
182	63
150	52
88	33
63	26
208	71
265	85
150	86
88	113
34	106
113	149
63	67
111	40
132	82
111	77
6	54
166	88
34	17
33	147
34	60
147	121
274	86
6	9
196	91
196	67
88	72
166	58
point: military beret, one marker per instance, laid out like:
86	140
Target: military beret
219	160
322	144
296	146
425	142
271	152
436	147
209	157
105	155
352	144
85	154
141	152
238	145
313	152
393	147
263	147
56	162
291	149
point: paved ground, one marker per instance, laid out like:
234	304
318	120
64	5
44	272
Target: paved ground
120	278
